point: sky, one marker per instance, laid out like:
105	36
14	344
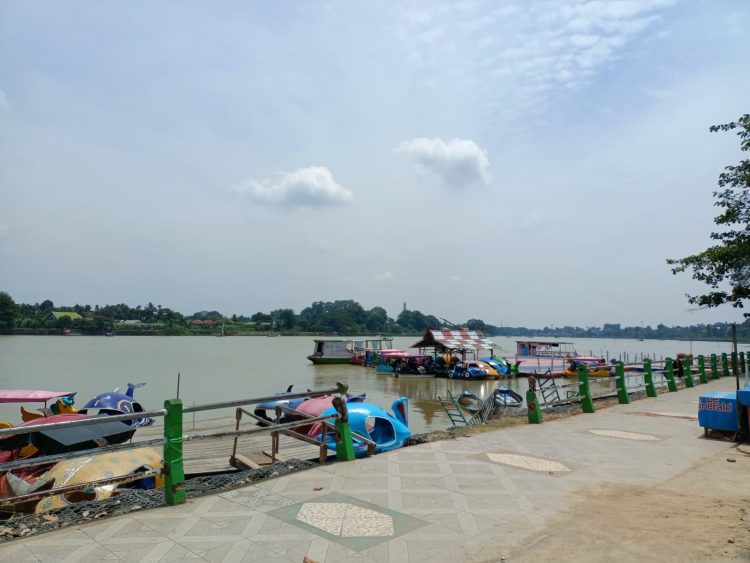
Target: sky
525	163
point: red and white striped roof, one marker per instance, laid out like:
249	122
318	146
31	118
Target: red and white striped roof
455	340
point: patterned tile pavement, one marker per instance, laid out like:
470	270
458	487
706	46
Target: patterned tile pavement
436	502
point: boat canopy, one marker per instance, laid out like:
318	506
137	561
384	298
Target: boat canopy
446	340
30	396
543	348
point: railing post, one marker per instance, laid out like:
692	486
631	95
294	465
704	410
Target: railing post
648	378
688	362
344	440
702	369
724	365
622	390
587	403
742	363
735	365
532	403
669	375
174	478
714	367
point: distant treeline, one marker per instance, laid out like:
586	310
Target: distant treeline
345	317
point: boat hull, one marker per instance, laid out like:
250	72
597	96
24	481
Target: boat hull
322	360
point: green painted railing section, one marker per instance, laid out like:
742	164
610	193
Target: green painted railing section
669	374
714	367
735	364
587	402
648	378
742	363
725	365
174	478
702	370
687	364
622	389
532	403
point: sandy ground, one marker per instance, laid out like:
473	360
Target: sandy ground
699	515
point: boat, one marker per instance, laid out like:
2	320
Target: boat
502	396
541	356
597	367
402	364
388	431
114	402
467	370
331	351
500	365
64	401
365	351
507	397
267	410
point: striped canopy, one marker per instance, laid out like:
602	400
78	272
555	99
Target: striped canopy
461	339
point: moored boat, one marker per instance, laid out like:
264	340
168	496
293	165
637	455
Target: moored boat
388	431
331	351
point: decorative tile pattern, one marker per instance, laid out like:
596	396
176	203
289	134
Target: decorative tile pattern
348	521
528	462
625	435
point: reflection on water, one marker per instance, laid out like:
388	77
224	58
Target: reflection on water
220	369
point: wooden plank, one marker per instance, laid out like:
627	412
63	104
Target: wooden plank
241	462
213	455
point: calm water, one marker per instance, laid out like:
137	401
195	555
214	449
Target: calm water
220	369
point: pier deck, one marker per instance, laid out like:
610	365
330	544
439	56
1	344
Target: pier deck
212	455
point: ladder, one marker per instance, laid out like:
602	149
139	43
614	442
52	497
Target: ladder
487	410
454	412
548	389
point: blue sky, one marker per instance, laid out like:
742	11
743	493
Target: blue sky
527	163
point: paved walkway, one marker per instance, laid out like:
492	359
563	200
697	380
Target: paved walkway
433	502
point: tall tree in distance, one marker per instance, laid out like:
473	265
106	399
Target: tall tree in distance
725	266
9	312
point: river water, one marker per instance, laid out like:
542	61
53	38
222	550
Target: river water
220	369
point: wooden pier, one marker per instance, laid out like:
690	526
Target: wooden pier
212	455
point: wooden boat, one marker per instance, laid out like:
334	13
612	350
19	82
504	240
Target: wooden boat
331	351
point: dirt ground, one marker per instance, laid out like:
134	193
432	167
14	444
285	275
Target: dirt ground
699	515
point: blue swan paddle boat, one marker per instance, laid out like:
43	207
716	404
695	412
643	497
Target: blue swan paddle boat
388	431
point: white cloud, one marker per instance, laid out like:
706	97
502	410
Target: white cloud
459	163
312	186
528	60
384	277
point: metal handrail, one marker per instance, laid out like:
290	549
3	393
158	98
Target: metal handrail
15	430
242	402
257	429
7	466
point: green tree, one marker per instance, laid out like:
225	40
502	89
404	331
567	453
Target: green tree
9	312
725	266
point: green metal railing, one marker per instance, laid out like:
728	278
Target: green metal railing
172	442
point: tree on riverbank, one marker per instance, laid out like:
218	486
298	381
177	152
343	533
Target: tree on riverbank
9	312
725	267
